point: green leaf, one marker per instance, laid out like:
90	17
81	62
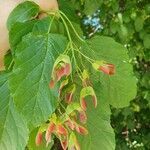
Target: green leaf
13	130
123	32
139	22
119	88
29	83
114	26
19	30
101	135
23	12
91	6
147	41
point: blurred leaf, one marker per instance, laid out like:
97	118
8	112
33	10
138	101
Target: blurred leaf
91	6
139	22
147	41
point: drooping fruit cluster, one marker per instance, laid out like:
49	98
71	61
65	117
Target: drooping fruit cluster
64	127
70	116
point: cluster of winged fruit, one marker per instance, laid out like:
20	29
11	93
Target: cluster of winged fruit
70	115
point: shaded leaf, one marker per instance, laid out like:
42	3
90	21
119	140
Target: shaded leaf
8	60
